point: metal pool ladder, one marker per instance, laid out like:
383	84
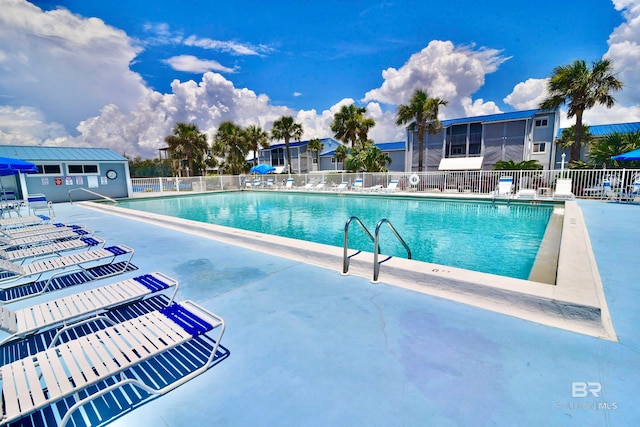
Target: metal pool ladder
376	245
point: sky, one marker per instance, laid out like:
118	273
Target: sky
120	75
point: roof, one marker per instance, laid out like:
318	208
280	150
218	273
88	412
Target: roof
604	130
390	146
39	153
328	144
500	117
383	146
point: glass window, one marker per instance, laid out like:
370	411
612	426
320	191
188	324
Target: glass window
539	147
49	169
542	122
78	169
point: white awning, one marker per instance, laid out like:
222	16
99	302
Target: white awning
461	164
279	169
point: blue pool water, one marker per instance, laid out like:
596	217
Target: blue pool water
466	234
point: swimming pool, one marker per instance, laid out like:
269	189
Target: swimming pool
473	235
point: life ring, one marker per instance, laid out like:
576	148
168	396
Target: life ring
414	179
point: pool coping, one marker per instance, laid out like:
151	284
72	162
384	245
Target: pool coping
575	303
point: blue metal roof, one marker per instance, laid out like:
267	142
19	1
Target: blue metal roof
390	146
500	117
384	146
604	130
38	153
328	143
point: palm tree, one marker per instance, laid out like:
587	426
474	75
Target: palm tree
341	153
581	88
422	113
256	138
316	146
350	125
187	142
230	142
285	128
602	150
568	136
502	165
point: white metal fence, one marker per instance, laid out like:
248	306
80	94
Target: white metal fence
585	183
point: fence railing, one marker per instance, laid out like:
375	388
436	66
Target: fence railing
586	183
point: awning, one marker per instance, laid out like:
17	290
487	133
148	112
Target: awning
279	169
461	164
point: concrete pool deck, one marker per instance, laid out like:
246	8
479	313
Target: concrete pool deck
311	347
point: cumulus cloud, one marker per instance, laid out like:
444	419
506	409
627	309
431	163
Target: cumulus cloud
192	64
449	72
64	65
27	126
528	95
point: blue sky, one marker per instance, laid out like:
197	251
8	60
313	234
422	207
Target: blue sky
123	80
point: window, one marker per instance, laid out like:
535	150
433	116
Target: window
277	157
82	169
542	122
49	169
539	147
314	160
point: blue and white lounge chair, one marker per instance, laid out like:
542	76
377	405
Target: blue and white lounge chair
28	241
38	202
26	321
309	185
320	185
358	185
22	221
37	230
51	249
68	370
12	274
505	187
289	184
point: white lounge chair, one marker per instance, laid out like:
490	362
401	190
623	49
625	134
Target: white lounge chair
358	185
342	186
66	369
51	248
309	185
320	185
527	194
392	186
270	183
90	303
13	274
563	189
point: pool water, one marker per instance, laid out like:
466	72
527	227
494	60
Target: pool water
473	235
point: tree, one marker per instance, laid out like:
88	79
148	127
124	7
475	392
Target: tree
188	143
421	112
341	153
256	138
230	142
351	126
316	146
568	137
502	165
581	88
286	129
602	150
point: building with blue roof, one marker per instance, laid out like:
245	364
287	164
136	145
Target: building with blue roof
61	169
475	143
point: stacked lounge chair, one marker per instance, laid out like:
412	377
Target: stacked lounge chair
60	355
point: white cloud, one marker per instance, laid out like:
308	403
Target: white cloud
528	95
232	47
446	71
27	126
192	64
49	62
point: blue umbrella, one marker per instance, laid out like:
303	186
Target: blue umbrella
262	168
10	166
630	155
